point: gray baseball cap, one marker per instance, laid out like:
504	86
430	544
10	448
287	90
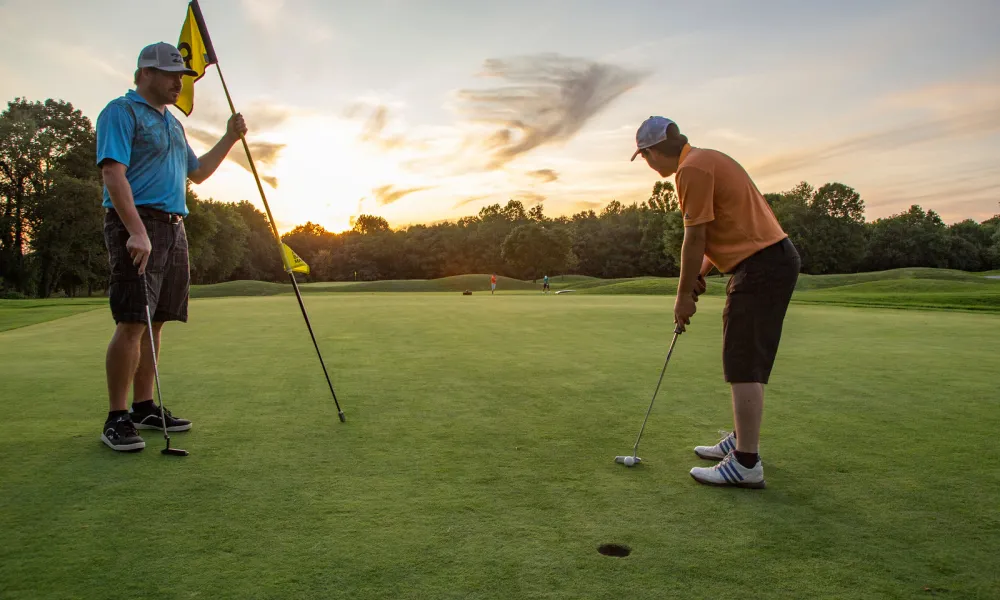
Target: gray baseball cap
652	131
164	57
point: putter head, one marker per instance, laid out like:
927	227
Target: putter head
174	452
340	414
621	460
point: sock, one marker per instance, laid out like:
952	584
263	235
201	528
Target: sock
747	460
144	406
114	414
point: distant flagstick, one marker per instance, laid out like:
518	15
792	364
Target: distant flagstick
260	188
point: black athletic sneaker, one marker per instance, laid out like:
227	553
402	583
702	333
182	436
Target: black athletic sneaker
120	434
151	420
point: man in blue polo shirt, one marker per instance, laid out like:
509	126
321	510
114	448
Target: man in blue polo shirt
146	161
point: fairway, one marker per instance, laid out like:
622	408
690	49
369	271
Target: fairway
476	460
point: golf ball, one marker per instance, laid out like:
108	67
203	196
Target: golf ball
629	461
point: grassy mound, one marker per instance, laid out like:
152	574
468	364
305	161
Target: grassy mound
815	282
941	289
918	293
457	283
21	313
240	288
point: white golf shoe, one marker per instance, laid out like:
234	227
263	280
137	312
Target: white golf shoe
719	451
729	472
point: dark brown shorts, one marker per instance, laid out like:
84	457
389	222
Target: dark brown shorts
167	273
756	301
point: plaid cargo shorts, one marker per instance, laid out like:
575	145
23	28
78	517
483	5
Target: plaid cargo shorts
168	275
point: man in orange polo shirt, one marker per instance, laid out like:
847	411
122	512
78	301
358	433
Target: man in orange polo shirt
728	224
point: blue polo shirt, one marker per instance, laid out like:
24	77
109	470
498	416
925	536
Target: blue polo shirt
153	147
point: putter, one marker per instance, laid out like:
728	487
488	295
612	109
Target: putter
156	373
630	461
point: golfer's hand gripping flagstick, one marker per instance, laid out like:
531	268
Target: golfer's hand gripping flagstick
629	461
156	373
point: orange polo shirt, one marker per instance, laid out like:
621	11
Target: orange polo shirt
714	189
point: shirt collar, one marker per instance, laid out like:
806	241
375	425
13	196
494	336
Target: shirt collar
135	97
684	153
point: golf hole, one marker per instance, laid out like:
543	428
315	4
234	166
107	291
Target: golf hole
618	550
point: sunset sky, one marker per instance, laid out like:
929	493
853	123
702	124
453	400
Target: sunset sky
426	111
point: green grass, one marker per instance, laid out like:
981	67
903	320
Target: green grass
240	288
814	282
939	289
458	283
930	289
564	281
922	293
476	461
21	313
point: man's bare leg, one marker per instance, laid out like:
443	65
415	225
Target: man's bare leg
748	409
121	362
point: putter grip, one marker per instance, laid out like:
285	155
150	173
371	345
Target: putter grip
677	330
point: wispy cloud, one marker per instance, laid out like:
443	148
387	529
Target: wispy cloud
729	135
544	175
529	197
583	206
74	56
260	115
263	12
282	16
969	123
374	131
264	153
469	200
547	98
387	194
946	97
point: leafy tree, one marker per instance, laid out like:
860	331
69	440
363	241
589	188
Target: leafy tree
308	240
38	141
839	201
970	245
67	240
368	224
217	239
262	260
533	250
663	198
911	239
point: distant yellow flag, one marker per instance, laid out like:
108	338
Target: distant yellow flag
196	47
293	264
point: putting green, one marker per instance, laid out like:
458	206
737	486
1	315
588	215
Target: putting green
477	457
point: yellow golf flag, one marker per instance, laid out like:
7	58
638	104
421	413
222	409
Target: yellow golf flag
293	264
196	47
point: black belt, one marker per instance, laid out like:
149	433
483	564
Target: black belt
156	215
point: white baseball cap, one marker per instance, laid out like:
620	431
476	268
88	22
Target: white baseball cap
652	131
164	57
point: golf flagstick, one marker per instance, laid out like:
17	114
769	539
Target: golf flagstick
197	45
284	258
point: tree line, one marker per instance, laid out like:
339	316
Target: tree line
51	220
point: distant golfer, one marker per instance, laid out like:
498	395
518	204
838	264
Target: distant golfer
493	283
728	224
146	161
545	284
